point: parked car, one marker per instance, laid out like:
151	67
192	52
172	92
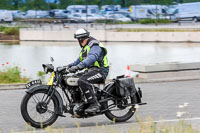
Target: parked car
36	14
92	17
78	18
17	14
59	13
118	17
127	14
6	16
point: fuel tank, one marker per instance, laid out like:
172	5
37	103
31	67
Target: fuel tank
71	81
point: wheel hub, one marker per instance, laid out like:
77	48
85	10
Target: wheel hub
41	108
121	103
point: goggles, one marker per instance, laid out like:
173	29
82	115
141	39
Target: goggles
80	40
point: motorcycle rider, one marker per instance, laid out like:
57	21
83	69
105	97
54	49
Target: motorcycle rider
93	58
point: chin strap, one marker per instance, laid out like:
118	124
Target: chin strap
80	45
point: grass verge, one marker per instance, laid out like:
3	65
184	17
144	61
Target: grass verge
141	127
158	30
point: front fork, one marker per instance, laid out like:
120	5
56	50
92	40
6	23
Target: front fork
50	93
51	89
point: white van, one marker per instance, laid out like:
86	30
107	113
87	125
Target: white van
83	9
6	16
188	11
148	11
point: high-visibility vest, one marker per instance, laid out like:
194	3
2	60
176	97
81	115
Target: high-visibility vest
85	50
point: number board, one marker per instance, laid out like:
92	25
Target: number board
34	82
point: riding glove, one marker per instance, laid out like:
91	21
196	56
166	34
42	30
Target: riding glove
73	69
68	66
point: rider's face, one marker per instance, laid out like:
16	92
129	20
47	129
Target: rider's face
83	42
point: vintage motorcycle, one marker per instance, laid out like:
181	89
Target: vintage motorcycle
42	104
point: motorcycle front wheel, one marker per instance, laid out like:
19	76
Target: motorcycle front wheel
36	112
120	113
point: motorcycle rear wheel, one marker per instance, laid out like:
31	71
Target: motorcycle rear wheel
121	117
38	110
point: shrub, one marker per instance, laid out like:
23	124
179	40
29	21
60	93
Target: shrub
152	21
106	21
12	75
11	31
41	75
110	21
2	28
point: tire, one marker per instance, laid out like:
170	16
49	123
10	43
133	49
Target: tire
195	19
130	111
26	114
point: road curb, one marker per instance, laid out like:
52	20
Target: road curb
12	86
20	86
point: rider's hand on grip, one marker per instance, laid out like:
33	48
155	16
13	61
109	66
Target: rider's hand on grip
68	66
73	69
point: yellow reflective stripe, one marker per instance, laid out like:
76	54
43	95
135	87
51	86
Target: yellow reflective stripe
96	64
105	61
50	82
81	56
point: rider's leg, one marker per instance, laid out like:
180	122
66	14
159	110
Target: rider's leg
85	81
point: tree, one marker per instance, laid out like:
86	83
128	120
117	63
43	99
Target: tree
162	2
40	4
17	4
53	5
64	3
186	1
5	4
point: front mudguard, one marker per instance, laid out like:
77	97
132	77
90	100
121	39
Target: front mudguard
45	87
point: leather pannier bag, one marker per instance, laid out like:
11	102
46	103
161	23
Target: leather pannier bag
125	87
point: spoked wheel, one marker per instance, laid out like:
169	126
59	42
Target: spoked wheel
36	111
119	112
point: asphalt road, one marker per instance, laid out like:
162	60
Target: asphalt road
163	103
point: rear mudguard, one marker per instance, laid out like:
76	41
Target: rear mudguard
45	87
111	86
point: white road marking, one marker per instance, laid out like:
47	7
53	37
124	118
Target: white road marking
174	120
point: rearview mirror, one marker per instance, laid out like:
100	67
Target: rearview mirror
52	60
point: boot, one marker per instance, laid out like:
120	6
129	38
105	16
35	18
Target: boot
93	108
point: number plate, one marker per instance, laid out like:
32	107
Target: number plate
34	82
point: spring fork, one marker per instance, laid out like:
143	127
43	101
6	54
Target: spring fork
49	95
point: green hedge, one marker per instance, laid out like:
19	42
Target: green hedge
113	22
153	21
142	21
